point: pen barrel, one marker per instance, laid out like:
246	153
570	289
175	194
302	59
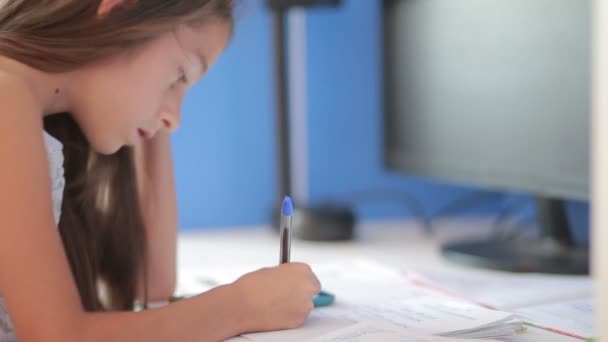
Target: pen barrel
285	239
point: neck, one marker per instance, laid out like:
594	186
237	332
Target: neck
50	89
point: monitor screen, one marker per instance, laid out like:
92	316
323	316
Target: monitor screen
493	93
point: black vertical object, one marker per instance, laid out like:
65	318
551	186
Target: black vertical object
326	222
282	114
279	10
553	221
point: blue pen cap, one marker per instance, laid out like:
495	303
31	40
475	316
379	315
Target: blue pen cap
323	298
287	208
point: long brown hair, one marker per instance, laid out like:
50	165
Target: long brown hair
101	223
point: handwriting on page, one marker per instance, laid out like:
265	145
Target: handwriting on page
363	333
373	331
430	314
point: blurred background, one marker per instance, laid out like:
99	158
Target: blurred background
224	150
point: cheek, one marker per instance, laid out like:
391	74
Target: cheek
117	98
107	122
130	103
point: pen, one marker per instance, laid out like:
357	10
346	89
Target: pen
323	298
286	213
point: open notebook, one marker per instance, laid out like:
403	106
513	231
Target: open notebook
374	331
369	292
561	303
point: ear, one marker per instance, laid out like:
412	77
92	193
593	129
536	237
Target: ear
106	6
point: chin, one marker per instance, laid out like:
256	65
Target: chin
106	152
105	149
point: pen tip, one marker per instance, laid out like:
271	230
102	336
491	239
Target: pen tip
287	208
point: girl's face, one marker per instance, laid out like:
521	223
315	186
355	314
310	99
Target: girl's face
129	98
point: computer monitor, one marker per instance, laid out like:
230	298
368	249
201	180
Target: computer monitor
494	93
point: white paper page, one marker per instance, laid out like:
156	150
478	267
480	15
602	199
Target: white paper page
351	279
374	331
574	317
313	327
506	291
433	315
429	315
365	281
364	290
194	280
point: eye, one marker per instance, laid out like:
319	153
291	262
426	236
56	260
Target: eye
181	79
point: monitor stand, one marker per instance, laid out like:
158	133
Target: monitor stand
554	252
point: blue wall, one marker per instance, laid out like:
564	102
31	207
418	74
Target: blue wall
224	148
224	151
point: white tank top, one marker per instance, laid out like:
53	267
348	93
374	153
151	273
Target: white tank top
54	150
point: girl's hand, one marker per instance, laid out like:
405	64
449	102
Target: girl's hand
278	297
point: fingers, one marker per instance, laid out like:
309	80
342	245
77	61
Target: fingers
281	296
306	270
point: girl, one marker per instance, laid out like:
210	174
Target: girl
90	90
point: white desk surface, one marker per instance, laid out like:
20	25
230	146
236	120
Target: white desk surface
400	244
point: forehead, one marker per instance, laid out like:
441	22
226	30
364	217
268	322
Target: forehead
205	41
208	39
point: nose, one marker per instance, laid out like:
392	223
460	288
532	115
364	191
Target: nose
170	121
